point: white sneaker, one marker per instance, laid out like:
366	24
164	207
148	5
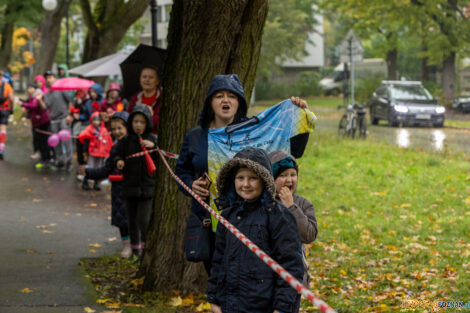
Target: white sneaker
80	177
35	156
126	249
105	182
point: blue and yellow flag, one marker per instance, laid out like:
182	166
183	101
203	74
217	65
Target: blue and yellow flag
273	131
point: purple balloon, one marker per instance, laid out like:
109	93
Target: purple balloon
53	140
64	135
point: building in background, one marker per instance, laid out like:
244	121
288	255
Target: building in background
163	19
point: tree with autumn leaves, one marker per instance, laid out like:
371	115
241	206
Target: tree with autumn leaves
440	27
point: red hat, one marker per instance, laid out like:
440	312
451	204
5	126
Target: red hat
114	86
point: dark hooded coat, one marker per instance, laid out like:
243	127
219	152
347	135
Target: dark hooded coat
239	280
118	205
137	181
192	161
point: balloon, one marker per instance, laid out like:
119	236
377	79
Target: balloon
53	140
64	135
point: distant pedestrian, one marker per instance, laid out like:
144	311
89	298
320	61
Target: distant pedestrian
6	107
118	206
138	183
63	71
40	122
99	145
59	103
239	280
81	119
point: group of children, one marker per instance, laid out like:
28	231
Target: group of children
256	192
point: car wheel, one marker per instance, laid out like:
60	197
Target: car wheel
373	120
438	125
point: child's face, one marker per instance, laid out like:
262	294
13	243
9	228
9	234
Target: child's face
113	95
247	184
139	123
96	122
118	129
31	91
93	94
288	178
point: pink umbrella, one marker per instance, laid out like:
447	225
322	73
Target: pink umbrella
71	83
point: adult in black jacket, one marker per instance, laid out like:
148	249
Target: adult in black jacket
239	280
225	105
138	184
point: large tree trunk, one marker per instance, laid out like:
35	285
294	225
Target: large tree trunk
205	38
107	26
392	57
448	79
49	34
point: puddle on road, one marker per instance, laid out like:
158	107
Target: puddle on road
403	138
437	138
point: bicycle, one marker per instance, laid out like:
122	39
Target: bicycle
354	119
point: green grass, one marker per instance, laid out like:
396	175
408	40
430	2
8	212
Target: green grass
393	224
323	102
457	123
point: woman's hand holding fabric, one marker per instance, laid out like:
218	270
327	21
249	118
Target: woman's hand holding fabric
199	186
301	103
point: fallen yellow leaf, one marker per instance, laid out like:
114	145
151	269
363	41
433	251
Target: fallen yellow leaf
138	281
112	239
89	310
26	290
101	301
32	251
203	307
37	200
94	245
189	300
92	251
177	301
405	205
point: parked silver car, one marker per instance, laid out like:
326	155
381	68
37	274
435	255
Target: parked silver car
406	103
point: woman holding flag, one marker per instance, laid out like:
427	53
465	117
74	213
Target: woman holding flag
224	110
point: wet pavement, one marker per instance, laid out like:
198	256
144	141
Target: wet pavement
435	139
47	223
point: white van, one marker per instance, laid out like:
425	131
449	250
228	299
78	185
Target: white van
333	84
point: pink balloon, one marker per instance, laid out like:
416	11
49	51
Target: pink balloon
64	135
53	140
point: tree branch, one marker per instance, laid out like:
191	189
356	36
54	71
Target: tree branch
87	15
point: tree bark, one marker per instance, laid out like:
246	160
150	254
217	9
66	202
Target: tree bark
448	78
49	34
205	38
392	57
6	44
111	22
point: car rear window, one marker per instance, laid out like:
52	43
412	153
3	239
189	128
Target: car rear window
410	93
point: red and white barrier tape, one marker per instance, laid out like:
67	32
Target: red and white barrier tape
167	154
291	280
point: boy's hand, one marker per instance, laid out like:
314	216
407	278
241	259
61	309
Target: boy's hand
215	308
147	144
301	103
286	197
199	186
120	164
81	170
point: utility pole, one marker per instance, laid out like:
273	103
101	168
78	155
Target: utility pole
153	20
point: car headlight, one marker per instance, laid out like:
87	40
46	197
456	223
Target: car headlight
401	108
440	110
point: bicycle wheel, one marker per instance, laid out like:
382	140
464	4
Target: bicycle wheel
353	127
342	126
362	127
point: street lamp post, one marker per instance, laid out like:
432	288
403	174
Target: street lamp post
153	20
50	5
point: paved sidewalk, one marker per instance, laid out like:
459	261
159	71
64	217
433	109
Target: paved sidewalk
47	224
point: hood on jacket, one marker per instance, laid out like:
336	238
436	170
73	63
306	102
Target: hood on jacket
142	109
281	160
43	81
99	90
254	159
113	86
65	68
231	83
121	115
95	114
